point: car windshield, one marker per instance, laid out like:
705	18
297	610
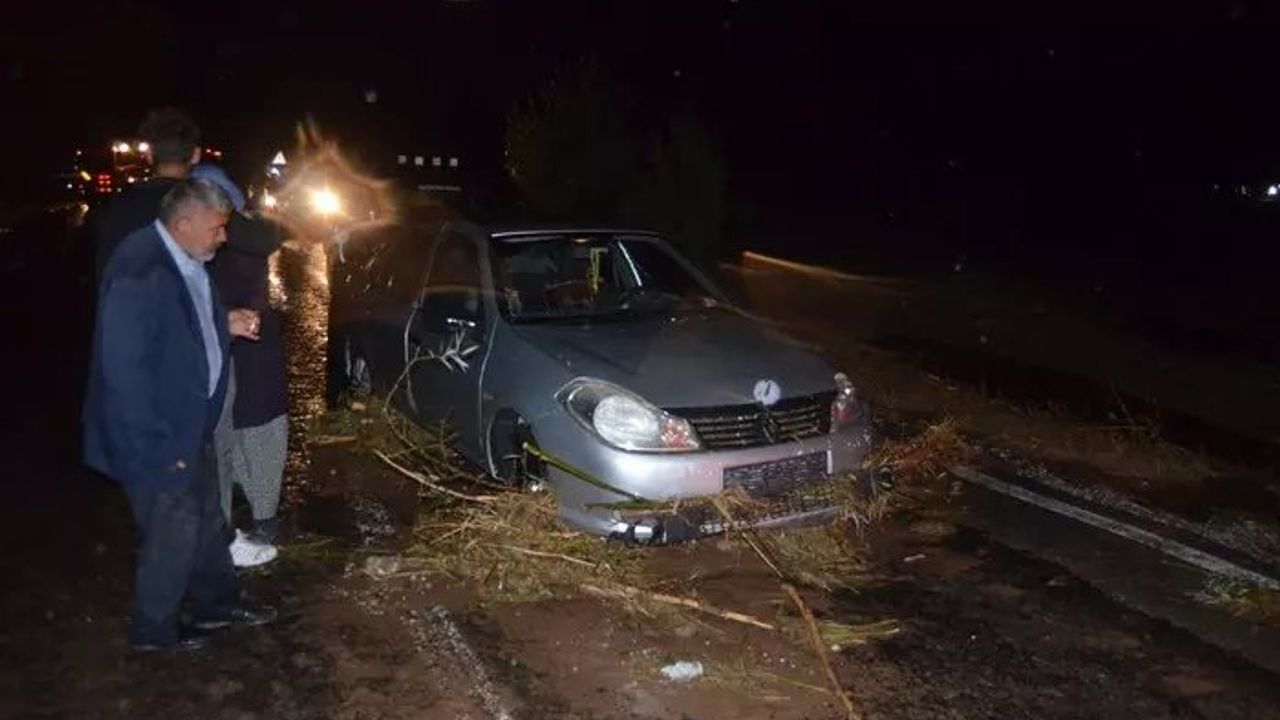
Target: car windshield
562	276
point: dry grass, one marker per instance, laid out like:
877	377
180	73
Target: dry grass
925	456
509	546
514	549
1243	600
824	558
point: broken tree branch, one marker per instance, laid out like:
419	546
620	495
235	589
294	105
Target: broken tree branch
422	480
321	440
541	554
629	592
749	536
820	649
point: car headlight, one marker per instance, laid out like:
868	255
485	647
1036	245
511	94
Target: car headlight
625	420
326	202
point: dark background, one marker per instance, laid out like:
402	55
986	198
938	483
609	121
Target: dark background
1076	145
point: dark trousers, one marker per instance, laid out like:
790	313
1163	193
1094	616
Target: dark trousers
183	553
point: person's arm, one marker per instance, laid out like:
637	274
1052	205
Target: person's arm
127	347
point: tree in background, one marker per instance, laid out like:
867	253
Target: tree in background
568	148
682	192
576	152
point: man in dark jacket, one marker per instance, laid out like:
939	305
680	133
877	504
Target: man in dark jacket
157	381
173	141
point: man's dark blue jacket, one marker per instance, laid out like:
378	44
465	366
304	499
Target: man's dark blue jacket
147	405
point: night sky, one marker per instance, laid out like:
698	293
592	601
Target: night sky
987	128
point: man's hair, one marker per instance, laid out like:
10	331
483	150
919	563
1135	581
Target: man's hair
189	194
172	134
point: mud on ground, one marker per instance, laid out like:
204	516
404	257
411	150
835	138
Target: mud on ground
985	633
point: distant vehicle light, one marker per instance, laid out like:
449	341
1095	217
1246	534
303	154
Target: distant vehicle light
144	147
122	147
326	202
1273	191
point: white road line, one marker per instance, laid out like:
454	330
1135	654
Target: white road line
812	269
1173	548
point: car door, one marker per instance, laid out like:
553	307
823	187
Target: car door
446	341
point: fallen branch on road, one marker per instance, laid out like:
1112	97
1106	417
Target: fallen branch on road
425	482
633	593
820	649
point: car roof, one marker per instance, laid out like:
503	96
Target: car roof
517	232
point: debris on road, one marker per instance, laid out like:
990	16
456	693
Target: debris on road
382	566
510	547
682	671
927	455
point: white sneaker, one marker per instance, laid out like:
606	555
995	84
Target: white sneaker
248	553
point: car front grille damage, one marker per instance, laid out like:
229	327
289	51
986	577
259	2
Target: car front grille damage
789	491
733	427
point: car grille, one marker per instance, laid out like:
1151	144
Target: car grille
777	477
745	426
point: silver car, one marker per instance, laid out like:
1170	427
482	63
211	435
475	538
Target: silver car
598	362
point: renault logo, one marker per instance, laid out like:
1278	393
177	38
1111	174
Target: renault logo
767	392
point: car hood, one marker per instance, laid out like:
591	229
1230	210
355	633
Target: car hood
704	359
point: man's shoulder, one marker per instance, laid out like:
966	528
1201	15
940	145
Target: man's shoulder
140	254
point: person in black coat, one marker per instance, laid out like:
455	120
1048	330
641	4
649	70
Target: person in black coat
254	432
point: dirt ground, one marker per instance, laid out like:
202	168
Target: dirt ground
985	632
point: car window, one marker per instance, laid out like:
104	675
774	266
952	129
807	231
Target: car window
453	289
592	275
657	268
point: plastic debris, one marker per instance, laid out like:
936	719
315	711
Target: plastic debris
381	566
683	671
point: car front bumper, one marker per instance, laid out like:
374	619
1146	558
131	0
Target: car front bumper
662	477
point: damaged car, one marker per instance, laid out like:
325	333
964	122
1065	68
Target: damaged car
599	363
